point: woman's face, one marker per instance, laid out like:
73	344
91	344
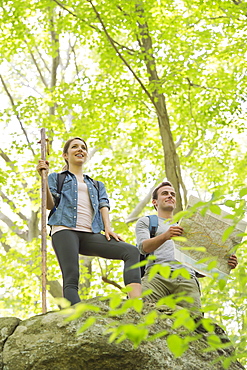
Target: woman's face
77	153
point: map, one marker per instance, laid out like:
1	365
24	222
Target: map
204	243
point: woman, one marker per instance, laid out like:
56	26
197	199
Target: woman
82	213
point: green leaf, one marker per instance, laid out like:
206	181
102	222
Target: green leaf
115	301
79	309
214	341
212	265
137	304
243	192
230	203
208	324
179	215
183	318
150	318
153	271
222	284
164	271
176	345
215	209
157	335
89	322
227	233
179	239
181	271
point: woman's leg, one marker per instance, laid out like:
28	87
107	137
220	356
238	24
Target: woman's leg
66	246
97	245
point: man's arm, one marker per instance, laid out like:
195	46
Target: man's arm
147	245
150	245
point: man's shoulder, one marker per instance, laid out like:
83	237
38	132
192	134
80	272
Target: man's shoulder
145	220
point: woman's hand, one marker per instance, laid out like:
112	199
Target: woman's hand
109	233
42	165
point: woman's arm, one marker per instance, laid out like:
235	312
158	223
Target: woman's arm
44	165
106	221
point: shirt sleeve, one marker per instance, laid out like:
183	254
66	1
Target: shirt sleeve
52	183
142	232
103	197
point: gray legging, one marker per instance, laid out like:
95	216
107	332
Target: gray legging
68	244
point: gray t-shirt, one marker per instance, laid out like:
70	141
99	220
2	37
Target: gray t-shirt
165	253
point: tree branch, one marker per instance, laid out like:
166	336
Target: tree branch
105	278
7	159
112	42
25	79
38	69
22	234
54	288
75	15
134	214
179	142
41	57
200	86
12	205
55	60
10	163
112	282
74	53
6	247
16	114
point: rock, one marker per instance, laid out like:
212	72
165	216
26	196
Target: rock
48	342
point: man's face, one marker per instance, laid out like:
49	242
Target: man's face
166	198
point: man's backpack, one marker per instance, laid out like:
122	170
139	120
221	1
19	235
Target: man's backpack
153	226
60	181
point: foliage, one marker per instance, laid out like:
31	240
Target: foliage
157	89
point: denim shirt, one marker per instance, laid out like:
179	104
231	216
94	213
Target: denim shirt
66	212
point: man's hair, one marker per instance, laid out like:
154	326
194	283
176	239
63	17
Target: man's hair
155	192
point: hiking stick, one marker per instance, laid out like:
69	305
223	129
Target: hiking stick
43	220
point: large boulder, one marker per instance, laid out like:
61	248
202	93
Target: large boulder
48	342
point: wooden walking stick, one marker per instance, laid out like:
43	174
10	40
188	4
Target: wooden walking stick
43	219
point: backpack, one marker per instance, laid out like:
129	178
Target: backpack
60	181
153	226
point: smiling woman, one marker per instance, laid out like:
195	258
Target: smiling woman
78	149
82	213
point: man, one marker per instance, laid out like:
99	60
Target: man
161	246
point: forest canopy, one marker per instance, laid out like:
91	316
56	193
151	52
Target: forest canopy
158	91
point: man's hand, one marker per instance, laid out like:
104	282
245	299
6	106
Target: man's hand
173	231
109	233
233	261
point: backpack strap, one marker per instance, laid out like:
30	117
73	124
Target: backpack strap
60	181
153	225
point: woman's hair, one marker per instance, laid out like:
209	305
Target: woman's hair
66	147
